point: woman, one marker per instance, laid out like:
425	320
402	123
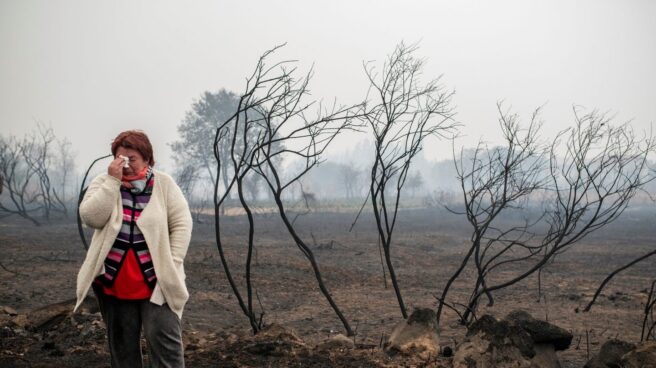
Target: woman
135	260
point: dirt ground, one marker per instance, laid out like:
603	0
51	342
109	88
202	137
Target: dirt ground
38	268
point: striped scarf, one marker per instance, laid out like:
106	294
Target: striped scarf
137	183
131	236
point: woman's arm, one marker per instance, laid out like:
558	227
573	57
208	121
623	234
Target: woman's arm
179	221
99	201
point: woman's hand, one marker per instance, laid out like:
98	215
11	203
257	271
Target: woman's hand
115	168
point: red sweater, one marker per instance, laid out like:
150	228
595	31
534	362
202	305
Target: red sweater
129	282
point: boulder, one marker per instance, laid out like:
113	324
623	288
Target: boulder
541	332
519	340
493	343
643	356
418	334
503	333
610	354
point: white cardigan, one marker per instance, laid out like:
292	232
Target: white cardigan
165	223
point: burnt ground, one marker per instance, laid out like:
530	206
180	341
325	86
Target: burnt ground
38	269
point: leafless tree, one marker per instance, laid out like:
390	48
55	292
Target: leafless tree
52	160
64	168
401	114
26	168
37	153
592	172
494	181
273	116
21	197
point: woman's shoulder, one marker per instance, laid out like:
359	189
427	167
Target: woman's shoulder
164	178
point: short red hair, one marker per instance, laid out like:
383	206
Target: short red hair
136	140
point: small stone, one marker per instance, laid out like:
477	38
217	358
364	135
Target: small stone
9	310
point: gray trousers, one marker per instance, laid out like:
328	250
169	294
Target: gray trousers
125	319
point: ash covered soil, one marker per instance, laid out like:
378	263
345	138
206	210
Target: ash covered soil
39	265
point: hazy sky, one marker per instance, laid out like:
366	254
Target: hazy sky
93	69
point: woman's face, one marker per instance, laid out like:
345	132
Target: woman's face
136	163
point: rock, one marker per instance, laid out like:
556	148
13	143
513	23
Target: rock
541	332
478	352
517	341
418	334
9	310
493	343
610	354
643	356
503	333
338	341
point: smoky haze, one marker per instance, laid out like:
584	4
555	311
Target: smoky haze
92	69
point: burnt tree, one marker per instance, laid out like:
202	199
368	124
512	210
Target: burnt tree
273	122
401	114
592	171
